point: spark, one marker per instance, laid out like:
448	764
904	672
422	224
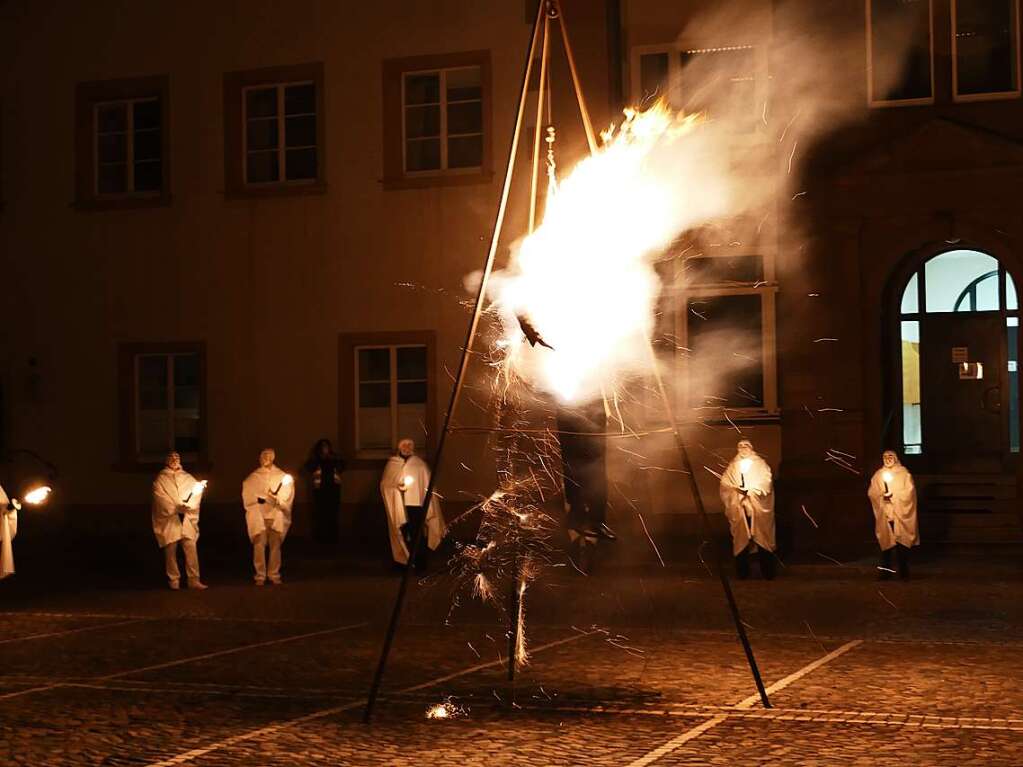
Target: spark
832	559
824	339
650	538
792	154
798	194
812	520
474	650
886	599
445	710
786	130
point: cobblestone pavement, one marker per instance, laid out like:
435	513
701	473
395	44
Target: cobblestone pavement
629	668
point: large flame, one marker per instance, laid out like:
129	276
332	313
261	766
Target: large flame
585	279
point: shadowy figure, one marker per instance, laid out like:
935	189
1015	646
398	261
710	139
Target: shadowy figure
325	468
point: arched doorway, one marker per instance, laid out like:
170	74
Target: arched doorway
958	387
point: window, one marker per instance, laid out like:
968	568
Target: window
985	48
387	391
274	131
443	120
122	143
954	281
725	330
900	60
724	82
280	133
163	402
128	147
437	119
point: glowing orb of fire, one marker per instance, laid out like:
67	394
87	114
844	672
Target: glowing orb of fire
887	476
585	278
745	464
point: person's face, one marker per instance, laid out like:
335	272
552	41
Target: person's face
406	448
174	462
324	449
745	449
266	458
889	460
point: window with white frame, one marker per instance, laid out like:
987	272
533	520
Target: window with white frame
280	133
128	147
442	120
900	52
985	49
724	82
168	404
391	396
725	326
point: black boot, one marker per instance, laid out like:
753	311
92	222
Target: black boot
902	557
767	564
742	566
884	570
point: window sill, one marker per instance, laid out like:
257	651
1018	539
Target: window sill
751	416
256	192
440	179
153	467
97	204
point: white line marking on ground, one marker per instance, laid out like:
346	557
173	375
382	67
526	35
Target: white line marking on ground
195	753
230	651
52	634
809	668
182	661
746	703
674	743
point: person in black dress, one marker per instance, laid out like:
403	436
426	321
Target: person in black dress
325	468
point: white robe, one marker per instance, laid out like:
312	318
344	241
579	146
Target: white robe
260	484
170	489
899	512
395	502
750	515
8	529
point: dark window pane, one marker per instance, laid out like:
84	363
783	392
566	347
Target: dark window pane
112	179
465	118
147	115
411	392
186	433
464	84
721	83
261	102
147	145
411	362
422	155
152	382
186	369
262	167
111	147
422	89
726	358
300	164
148	176
465	152
422	122
986	46
111	118
300	131
300	99
900	38
374	395
717	269
153	433
653	74
261	134
374	364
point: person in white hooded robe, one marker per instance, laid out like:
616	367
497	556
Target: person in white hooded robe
747	493
403	486
893	498
8	529
267	494
175	511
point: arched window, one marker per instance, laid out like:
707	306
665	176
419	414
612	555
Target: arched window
954	281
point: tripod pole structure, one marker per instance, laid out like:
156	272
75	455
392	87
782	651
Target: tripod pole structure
456	390
687	466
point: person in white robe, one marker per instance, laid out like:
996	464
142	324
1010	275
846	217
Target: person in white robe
177	496
403	487
8	529
747	493
267	495
892	495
